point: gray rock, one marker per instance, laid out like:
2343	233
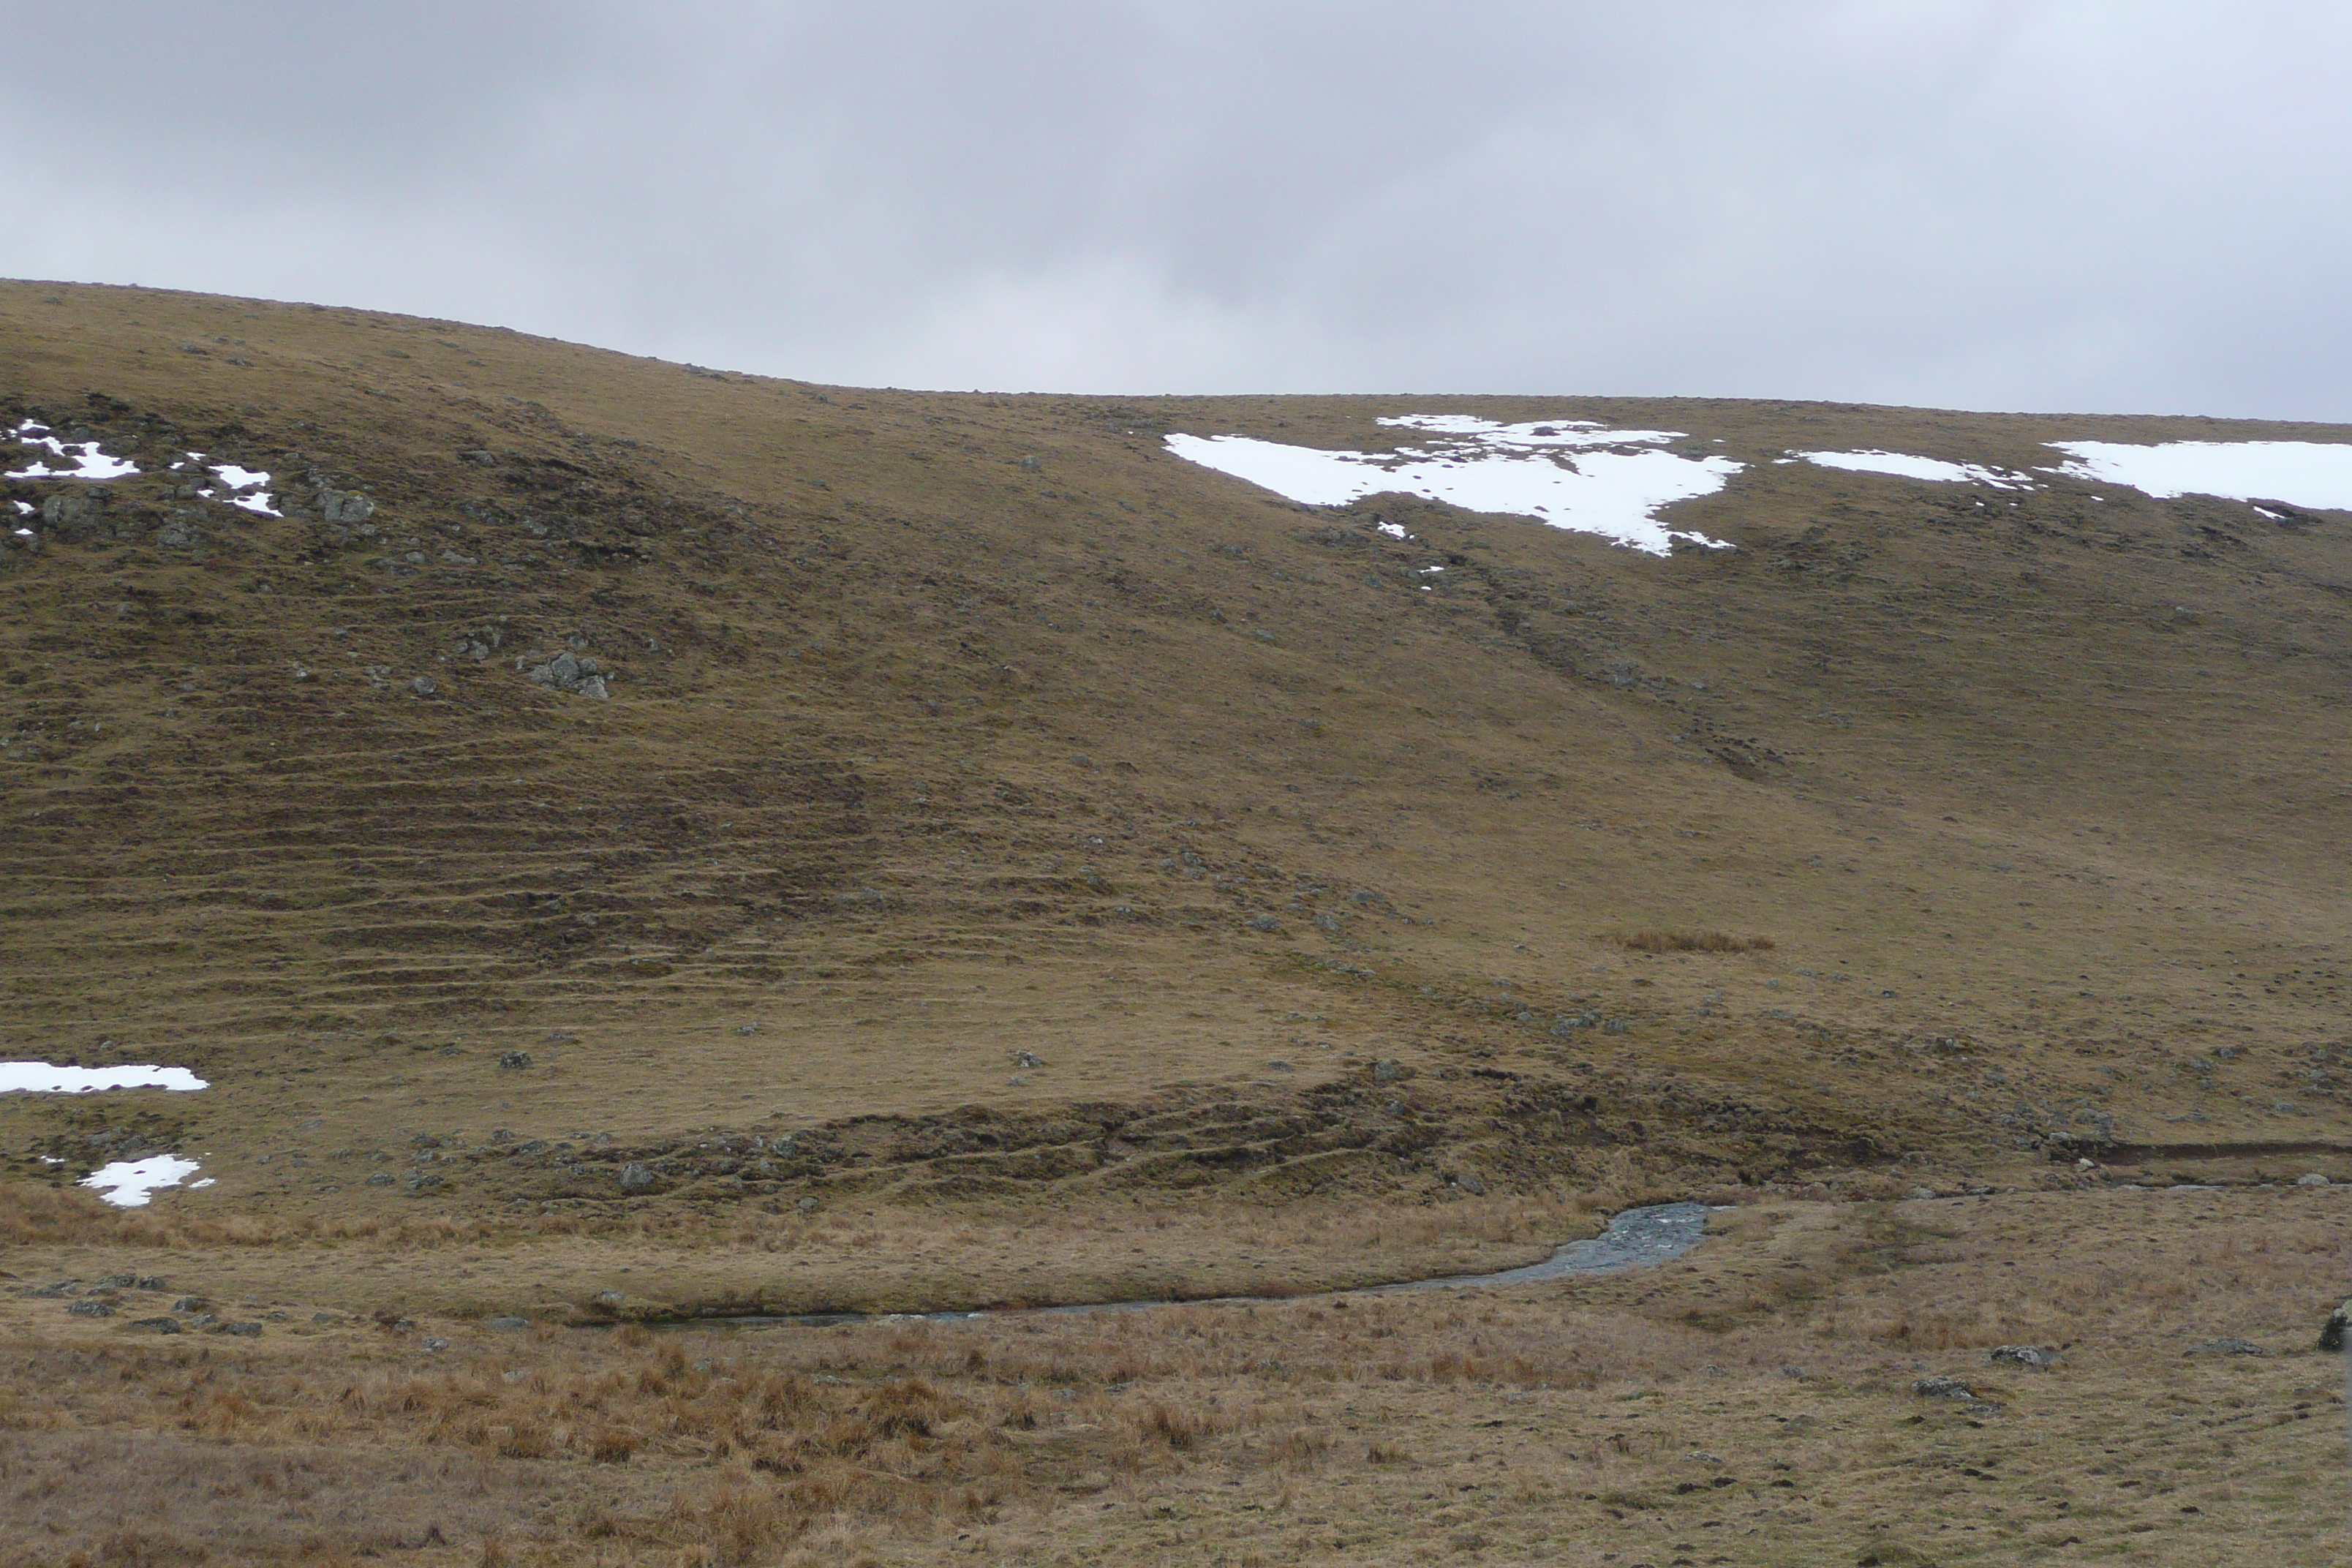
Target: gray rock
118	1282
1027	1059
1942	1388
423	686
190	1304
73	515
323	1319
159	1325
1386	1072
510	1325
91	1307
609	1298
203	1320
2331	1333
1277	1065
1471	1184
421	1182
179	533
436	1342
1266	923
2041	1358
2226	1345
806	1205
344	506
2311	1179
150	1282
380	1179
61	1289
514	1061
567	671
636	1177
244	1330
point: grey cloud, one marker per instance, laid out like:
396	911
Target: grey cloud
2022	204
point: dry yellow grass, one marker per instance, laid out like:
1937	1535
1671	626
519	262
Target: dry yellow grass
1014	866
1755	1399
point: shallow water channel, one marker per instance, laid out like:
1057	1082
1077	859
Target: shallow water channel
1634	1238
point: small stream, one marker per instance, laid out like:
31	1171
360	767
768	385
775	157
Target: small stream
1634	1238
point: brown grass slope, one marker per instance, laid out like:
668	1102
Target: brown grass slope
945	728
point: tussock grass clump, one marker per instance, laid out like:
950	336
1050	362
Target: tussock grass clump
1689	941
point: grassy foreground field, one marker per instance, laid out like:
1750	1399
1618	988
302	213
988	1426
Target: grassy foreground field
1011	865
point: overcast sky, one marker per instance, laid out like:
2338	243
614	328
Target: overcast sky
2133	206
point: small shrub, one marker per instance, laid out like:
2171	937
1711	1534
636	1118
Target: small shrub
1691	942
1164	1423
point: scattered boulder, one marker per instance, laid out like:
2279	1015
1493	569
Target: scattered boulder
2041	1358
159	1325
380	1179
190	1304
1388	1071
567	671
73	515
344	506
423	686
91	1307
2311	1179
1942	1388
434	1343
2226	1345
2331	1333
514	1061
203	1320
1027	1059
246	1330
1471	1184
636	1177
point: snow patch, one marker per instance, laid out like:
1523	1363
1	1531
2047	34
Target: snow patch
1571	474
88	462
1905	466
40	1077
2300	473
129	1183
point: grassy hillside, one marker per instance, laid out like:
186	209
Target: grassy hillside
1008	863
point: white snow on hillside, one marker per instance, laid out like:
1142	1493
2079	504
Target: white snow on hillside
2300	473
1571	475
1904	466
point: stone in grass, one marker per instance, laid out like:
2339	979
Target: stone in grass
1942	1388
2041	1358
244	1330
2311	1179
514	1061
2226	1345
160	1325
509	1324
2331	1332
380	1179
636	1177
91	1307
1027	1059
434	1343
